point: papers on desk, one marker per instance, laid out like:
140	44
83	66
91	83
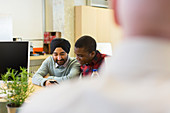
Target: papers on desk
2	95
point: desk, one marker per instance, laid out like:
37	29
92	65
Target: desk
37	60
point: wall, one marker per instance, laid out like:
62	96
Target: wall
5	28
62	18
80	2
26	16
48	15
98	23
58	16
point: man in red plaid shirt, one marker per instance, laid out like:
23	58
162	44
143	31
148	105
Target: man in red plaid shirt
87	55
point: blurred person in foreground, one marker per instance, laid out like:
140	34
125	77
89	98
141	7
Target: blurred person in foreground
137	80
87	55
59	66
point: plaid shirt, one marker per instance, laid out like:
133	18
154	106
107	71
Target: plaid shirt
95	64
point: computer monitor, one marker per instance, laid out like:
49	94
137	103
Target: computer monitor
13	55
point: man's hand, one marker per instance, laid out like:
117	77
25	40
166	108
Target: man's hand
50	82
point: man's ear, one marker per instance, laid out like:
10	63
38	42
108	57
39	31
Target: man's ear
115	10
92	54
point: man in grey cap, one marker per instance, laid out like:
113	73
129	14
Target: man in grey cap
59	66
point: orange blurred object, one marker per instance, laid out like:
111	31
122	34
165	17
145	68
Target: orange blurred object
37	50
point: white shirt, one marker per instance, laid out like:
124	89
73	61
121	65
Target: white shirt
140	58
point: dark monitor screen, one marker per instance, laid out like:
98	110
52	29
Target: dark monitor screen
13	55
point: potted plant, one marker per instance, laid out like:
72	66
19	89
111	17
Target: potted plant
17	89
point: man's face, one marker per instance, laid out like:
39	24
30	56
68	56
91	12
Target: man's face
83	56
59	56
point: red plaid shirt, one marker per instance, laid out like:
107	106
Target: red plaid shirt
95	64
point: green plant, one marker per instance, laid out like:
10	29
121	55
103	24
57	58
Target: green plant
18	88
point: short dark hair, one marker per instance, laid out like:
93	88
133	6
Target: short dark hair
86	42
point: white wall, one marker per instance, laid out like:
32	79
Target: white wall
49	15
26	17
79	2
58	16
5	28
